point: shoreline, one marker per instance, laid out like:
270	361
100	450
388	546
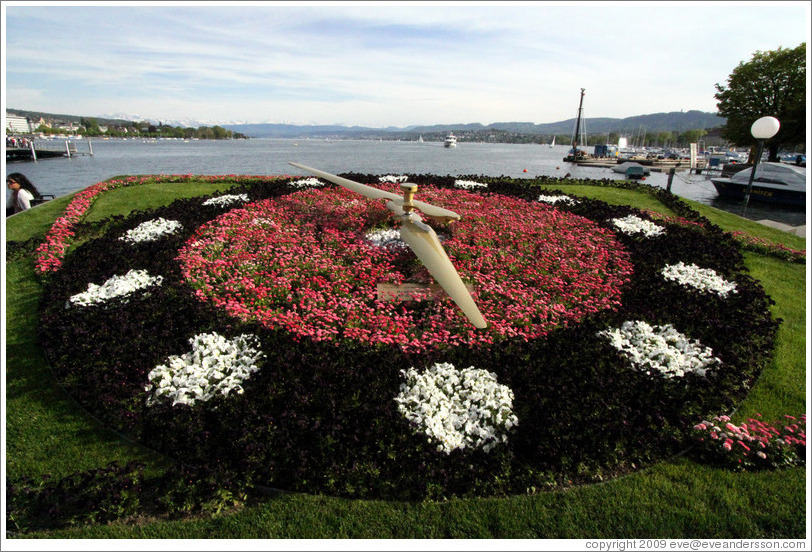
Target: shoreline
269	156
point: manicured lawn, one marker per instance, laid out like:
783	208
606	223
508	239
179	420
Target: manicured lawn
47	433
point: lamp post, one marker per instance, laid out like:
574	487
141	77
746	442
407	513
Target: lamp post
763	129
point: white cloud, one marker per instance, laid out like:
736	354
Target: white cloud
382	64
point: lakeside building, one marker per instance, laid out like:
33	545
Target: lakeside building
17	124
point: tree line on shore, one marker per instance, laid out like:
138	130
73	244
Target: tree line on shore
654	139
89	126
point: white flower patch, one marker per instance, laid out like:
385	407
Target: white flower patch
468	184
151	230
457	408
263	221
660	350
225	200
552	200
306	183
635	225
386	237
393	179
116	286
215	365
702	279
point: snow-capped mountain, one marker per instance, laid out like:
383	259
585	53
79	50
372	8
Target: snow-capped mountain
182	122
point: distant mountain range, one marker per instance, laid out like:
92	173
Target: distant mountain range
678	121
657	122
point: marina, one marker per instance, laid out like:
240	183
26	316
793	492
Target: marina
62	175
652	165
608	156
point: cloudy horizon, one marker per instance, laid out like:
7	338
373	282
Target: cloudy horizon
383	64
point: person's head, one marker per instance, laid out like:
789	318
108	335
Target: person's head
15	181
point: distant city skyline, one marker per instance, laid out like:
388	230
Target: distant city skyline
383	64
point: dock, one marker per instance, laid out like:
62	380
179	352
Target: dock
654	165
39	151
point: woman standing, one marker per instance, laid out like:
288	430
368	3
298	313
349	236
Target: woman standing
22	193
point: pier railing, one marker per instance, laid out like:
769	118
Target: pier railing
40	149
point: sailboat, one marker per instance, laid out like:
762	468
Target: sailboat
552	144
420	139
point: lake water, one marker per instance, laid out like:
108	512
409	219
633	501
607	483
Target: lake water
111	158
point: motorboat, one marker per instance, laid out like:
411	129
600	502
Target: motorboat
773	183
450	141
632	170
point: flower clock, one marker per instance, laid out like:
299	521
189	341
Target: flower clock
246	331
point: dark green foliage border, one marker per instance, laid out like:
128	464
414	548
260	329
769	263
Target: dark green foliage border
320	417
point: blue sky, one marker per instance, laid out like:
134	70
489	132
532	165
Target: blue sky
382	64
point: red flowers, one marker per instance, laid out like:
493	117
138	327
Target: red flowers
302	263
57	240
760	444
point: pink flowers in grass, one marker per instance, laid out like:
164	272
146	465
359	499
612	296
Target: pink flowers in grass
51	252
765	246
303	263
753	243
753	444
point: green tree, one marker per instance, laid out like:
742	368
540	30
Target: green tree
91	126
664	138
692	136
772	83
220	133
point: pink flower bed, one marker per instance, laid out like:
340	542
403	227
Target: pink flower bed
51	252
755	443
302	263
766	246
752	243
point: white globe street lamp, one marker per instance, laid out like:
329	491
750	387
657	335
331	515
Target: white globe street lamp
763	129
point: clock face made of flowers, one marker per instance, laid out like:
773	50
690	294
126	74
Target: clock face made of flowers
244	331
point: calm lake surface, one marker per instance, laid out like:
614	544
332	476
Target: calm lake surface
61	176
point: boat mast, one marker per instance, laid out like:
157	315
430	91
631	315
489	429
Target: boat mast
578	126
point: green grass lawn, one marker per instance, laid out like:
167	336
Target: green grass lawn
47	433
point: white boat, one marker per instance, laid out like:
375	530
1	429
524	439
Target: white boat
450	141
773	183
420	139
552	144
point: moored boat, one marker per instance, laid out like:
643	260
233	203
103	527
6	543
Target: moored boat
773	183
632	170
